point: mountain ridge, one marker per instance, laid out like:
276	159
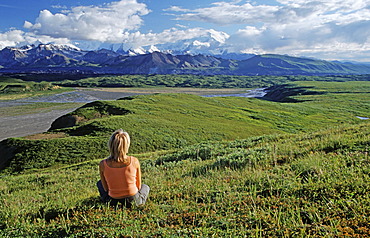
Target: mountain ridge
66	59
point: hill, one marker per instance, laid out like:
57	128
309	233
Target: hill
62	59
170	121
288	65
224	166
309	185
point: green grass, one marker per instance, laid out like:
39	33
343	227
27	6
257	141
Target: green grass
14	88
307	185
222	167
170	121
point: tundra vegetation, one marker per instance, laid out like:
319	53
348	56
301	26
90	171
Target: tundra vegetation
14	88
223	166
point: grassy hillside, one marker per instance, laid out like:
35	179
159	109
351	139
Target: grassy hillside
303	185
170	121
223	167
14	88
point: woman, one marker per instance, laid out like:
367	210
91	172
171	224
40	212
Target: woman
120	174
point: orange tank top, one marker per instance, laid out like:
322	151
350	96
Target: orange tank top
121	181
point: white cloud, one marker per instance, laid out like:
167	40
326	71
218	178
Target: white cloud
176	9
223	13
59	7
307	27
172	35
11	38
116	22
15	38
290	27
107	23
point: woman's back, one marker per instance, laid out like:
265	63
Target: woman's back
120	175
121	178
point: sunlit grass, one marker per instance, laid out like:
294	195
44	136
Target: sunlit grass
308	185
222	167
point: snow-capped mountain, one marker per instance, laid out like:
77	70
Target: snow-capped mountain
63	59
40	55
212	43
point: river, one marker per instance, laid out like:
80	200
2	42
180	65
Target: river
23	125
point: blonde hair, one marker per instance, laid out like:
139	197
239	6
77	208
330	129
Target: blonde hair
118	145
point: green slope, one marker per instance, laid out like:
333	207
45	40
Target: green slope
260	169
305	185
170	121
155	122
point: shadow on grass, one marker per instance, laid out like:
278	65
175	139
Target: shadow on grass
285	92
53	213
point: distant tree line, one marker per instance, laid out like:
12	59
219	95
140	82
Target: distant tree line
200	81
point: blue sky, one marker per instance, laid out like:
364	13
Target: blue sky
326	29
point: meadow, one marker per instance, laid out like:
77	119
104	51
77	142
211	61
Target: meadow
306	185
221	167
14	88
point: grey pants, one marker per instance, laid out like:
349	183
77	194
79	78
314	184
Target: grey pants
139	198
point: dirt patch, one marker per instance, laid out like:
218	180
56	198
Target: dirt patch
45	136
23	125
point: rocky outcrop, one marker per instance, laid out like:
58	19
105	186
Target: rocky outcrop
66	121
89	111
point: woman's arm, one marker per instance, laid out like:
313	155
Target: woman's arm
138	174
102	178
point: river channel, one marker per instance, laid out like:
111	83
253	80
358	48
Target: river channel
28	124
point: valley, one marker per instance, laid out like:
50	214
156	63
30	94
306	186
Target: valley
22	117
292	164
246	119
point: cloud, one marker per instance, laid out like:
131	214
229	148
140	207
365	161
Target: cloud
224	13
300	27
116	22
172	35
11	38
107	23
7	6
291	26
176	9
15	38
59	7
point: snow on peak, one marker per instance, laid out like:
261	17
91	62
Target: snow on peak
199	43
218	36
68	46
136	51
153	48
61	47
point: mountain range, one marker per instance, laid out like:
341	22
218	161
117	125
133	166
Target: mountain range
52	58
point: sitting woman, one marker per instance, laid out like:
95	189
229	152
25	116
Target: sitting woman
120	174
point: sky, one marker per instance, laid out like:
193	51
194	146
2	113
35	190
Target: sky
324	29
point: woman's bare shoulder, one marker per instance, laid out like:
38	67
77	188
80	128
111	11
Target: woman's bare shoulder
135	161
